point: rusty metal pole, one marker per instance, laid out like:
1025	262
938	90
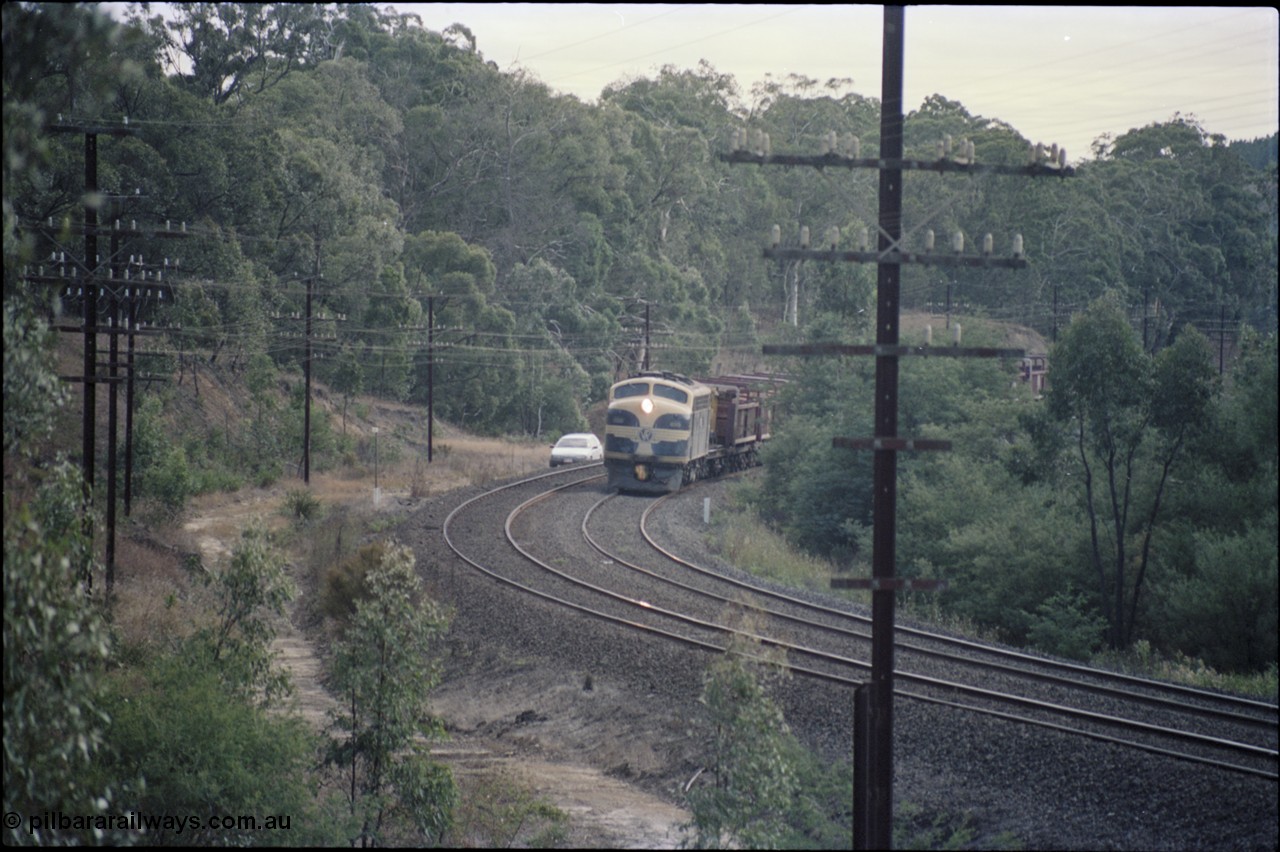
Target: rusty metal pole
880	817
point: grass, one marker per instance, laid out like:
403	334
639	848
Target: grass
739	537
1141	659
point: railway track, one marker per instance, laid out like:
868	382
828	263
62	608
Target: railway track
575	550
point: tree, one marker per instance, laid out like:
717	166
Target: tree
237	50
384	666
56	643
347	378
1117	399
252	591
752	766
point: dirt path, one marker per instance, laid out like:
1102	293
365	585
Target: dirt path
604	811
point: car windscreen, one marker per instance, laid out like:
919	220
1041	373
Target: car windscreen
576	443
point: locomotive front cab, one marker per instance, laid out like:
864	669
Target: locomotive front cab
650	430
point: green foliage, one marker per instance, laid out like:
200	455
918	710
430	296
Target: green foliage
1067	626
252	591
383	669
754	781
496	812
189	746
345	584
56	644
1225	611
302	506
161	470
32	392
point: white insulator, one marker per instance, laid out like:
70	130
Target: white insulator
988	244
970	155
957	242
928	335
1017	245
864	240
775	236
1039	153
768	149
855	147
804	236
1031	154
941	150
955	334
1053	153
1062	158
928	240
946	145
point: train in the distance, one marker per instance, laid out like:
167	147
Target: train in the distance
664	430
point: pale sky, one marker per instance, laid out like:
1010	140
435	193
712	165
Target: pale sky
1056	73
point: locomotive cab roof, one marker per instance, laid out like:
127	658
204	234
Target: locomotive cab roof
663	374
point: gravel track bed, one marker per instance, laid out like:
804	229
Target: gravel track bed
1048	789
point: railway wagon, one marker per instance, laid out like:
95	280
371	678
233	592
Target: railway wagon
664	430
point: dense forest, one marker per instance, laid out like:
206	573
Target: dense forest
445	215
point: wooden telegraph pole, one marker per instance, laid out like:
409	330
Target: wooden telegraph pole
873	702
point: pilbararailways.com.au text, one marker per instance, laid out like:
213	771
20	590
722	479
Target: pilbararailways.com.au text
140	821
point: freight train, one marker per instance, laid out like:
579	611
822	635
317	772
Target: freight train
664	430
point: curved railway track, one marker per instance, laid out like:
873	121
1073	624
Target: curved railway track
1176	721
576	548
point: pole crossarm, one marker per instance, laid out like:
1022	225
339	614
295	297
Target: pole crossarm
893	444
93	129
943	166
897	258
888	584
888	350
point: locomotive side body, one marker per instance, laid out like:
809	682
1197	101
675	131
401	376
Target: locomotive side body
664	431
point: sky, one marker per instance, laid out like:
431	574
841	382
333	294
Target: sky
1055	73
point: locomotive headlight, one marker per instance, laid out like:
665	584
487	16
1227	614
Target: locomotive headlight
646	405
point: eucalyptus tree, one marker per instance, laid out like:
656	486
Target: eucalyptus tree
238	50
475	357
1130	415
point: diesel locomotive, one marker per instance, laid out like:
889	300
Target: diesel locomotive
664	430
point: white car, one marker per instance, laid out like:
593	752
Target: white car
576	447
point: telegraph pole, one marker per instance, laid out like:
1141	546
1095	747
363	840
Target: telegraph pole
873	711
306	364
885	467
91	289
431	374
